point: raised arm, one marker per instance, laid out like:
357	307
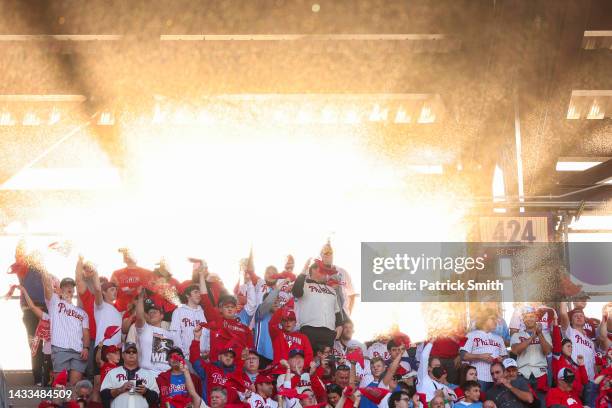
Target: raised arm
556	340
393	367
97	288
140	313
210	311
275	321
202	273
563	316
424	361
191	388
604	342
79	277
298	286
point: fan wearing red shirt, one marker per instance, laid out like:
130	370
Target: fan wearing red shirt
110	356
223	321
128	280
562	396
562	358
285	339
86	271
225	370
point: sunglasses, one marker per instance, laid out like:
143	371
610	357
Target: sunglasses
131	352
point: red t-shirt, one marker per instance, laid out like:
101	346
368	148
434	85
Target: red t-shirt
283	342
224	331
88	300
128	280
557	397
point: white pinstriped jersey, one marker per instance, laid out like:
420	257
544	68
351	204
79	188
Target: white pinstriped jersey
480	342
67	324
184	321
582	345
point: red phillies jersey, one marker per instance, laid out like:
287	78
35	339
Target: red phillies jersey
283	342
128	280
557	397
225	331
216	375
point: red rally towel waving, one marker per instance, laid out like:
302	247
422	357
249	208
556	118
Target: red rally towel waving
374	394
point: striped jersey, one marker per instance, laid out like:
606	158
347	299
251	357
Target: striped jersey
67	324
480	342
582	345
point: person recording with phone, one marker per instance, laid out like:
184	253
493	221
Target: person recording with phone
129	385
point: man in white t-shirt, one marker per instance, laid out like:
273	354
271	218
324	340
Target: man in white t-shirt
153	340
186	317
69	329
129	386
105	312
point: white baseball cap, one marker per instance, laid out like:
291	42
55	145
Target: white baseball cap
409	374
566	375
355	344
509	362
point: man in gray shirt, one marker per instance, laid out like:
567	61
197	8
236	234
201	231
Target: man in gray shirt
509	390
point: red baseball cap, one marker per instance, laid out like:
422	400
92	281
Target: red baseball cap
289	315
112	349
262	379
228	349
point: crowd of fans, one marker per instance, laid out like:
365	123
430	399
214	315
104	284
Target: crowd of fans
143	339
